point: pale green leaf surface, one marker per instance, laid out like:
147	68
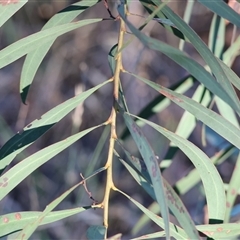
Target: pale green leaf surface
186	17
152	167
20	171
232	75
220	231
205	52
192	178
187	122
20	48
16	221
7	10
232	52
176	231
226	111
174	202
34	58
216	40
151	236
31	227
39	126
232	191
210	177
144	220
213	120
160	103
194	68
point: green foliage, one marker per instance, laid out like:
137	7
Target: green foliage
212	83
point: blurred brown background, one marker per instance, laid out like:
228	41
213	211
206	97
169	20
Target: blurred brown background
78	61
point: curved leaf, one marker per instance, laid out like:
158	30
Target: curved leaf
211	179
39	126
8	9
194	68
152	167
213	120
174	202
176	231
20	48
34	58
32	226
14	222
20	171
221	76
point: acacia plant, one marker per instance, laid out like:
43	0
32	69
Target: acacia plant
217	86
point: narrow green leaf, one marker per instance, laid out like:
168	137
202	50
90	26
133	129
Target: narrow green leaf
159	103
187	16
8	9
38	127
96	232
194	68
220	231
205	52
232	191
232	52
174	202
232	75
14	222
144	220
216	40
191	180
210	177
31	227
223	10
151	236
34	58
112	58
152	167
20	48
20	171
215	121
188	122
163	20
176	231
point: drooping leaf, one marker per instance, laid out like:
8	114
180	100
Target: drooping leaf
38	127
31	227
194	68
222	78
34	58
20	48
232	191
21	170
174	202
212	183
7	9
14	222
152	166
213	120
159	103
176	231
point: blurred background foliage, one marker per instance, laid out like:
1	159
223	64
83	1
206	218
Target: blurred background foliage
76	62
